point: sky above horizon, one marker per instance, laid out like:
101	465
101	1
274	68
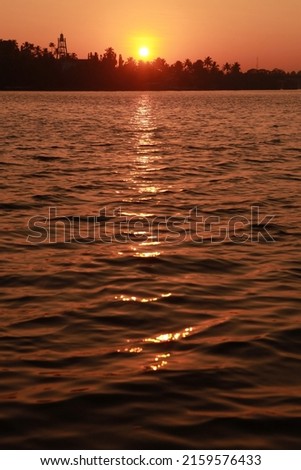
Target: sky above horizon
258	32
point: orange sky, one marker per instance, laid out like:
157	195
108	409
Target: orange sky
227	30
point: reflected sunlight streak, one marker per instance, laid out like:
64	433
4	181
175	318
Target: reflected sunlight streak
167	337
144	124
161	359
125	298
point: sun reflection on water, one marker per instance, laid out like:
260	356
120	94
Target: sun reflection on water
159	360
167	337
148	254
143	179
126	298
145	145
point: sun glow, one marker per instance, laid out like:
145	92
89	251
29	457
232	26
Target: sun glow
144	52
144	47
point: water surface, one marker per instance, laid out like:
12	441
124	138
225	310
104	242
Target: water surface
129	318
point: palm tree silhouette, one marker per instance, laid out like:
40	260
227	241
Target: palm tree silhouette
227	67
208	62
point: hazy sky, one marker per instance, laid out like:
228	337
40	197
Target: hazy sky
227	30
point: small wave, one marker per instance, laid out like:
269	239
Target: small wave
13	206
47	158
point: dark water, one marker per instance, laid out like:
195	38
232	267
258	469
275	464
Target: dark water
130	319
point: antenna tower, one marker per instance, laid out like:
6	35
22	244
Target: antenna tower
61	47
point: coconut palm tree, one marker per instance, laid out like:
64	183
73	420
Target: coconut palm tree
52	48
227	68
188	65
235	68
208	62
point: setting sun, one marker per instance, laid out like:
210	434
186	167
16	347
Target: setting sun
144	52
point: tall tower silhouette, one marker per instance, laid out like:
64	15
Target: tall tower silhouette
61	47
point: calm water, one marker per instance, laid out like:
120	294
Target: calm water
139	321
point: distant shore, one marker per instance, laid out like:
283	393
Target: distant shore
29	67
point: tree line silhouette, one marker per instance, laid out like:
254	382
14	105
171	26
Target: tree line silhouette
30	67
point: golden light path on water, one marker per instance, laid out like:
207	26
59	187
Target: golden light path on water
147	158
162	359
124	298
145	146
